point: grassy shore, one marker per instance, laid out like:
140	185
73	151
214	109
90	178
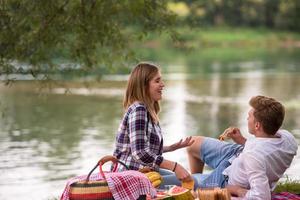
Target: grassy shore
227	37
218	44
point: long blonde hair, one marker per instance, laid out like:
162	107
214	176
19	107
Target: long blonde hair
138	88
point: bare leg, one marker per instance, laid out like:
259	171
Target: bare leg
196	164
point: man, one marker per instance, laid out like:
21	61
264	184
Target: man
249	168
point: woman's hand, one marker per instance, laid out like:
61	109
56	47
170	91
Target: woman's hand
178	145
182	174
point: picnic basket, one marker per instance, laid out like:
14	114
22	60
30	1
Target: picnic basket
96	190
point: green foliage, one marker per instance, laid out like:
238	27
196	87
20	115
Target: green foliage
46	36
289	186
278	14
200	48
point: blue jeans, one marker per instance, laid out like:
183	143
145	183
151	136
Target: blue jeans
216	155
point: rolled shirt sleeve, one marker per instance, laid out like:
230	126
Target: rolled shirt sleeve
145	148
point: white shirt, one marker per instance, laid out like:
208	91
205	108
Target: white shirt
262	162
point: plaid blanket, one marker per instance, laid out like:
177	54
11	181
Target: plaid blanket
125	185
285	196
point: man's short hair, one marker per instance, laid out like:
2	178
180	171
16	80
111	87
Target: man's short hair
269	112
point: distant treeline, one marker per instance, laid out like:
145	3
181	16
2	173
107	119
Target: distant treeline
277	14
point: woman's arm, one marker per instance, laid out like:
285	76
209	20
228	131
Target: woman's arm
180	172
178	145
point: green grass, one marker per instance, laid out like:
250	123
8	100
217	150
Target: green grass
288	186
203	46
226	37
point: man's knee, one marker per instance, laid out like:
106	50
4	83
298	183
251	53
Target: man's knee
194	149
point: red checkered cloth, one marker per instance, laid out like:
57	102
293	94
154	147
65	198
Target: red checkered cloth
126	185
285	196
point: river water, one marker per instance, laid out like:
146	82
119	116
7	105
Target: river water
47	138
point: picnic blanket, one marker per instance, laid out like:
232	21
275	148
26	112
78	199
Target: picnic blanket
126	185
277	196
285	196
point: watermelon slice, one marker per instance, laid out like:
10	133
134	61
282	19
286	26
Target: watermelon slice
180	193
162	195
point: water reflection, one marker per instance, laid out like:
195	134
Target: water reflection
174	117
48	139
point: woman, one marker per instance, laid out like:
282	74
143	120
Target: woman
139	142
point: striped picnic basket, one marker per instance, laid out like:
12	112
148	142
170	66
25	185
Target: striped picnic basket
95	190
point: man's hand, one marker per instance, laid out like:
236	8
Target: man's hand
235	190
178	145
235	134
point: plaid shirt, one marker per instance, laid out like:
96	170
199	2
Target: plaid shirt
136	146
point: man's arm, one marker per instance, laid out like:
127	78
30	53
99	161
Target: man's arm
237	191
256	173
235	134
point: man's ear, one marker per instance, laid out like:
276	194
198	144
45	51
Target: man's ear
257	125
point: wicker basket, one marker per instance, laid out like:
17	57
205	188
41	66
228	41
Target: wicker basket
213	194
95	190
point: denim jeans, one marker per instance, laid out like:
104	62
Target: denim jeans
214	153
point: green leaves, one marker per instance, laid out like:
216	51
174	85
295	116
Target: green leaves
52	36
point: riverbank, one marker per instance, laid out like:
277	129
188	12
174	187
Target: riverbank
225	37
221	46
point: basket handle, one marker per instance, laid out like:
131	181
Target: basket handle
102	161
